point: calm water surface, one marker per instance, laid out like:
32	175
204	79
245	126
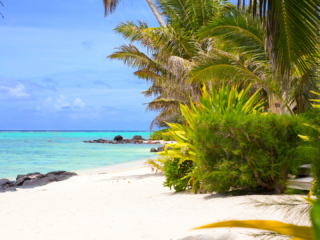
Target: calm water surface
24	152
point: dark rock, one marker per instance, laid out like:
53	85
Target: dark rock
160	149
51	178
35	183
153	150
118	138
100	141
21	176
4	181
40	175
10	189
9	185
21	180
69	174
62	177
34	180
137	138
33	174
55	173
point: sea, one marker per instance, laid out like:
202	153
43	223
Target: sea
23	152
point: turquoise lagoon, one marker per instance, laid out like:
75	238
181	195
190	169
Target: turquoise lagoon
29	151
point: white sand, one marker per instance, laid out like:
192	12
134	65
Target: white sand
126	205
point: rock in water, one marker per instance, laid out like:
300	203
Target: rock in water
160	149
118	138
153	150
137	138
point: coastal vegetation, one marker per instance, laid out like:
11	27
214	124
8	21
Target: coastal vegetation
158	135
253	57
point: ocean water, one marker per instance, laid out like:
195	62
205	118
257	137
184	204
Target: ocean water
25	151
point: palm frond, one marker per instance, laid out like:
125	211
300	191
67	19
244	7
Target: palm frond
236	30
110	6
291	31
131	56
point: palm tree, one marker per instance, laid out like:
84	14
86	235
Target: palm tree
291	34
171	52
205	43
240	56
111	5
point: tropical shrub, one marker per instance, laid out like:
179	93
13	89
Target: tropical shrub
158	135
226	100
176	175
156	164
312	149
252	151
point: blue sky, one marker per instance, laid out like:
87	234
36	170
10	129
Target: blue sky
54	74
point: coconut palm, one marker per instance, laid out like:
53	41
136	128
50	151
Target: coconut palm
207	42
291	34
111	5
239	55
171	51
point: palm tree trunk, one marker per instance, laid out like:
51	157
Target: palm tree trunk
156	13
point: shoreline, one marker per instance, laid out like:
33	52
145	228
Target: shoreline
112	167
118	167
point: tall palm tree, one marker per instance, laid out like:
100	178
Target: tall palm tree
208	42
171	51
111	5
291	34
240	56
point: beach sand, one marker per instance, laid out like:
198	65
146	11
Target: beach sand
123	204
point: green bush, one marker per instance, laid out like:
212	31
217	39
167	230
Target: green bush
157	135
248	151
312	149
175	175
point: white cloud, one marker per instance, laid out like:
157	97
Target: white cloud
16	92
60	103
79	103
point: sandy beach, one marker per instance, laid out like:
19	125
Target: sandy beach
127	203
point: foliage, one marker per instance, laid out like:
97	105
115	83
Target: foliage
291	33
292	191
176	175
209	41
156	164
221	102
313	140
249	151
297	232
239	56
158	135
169	53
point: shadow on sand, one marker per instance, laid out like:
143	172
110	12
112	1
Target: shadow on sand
133	177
